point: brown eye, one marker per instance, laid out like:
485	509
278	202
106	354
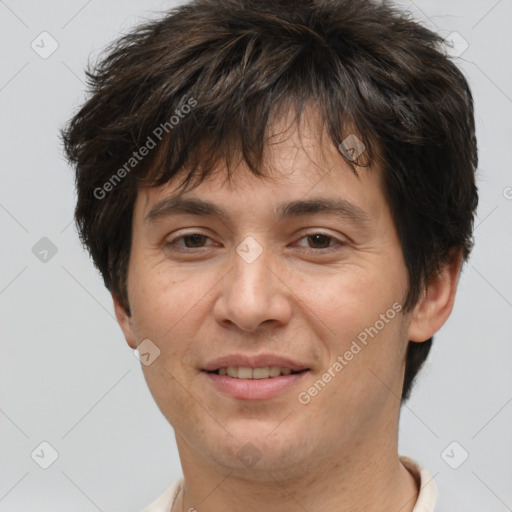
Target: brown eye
318	242
195	240
191	241
320	239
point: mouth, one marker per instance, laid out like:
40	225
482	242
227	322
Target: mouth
245	372
254	377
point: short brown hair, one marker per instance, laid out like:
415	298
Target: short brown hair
365	64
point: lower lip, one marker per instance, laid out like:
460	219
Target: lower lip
254	389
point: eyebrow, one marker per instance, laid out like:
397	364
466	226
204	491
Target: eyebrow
172	206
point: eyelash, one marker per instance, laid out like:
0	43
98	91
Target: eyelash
312	234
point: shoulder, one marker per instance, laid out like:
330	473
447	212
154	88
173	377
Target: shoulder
430	498
165	501
427	496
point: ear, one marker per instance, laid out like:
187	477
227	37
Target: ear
436	302
125	322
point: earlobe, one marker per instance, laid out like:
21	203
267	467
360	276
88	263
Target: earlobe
125	322
436	302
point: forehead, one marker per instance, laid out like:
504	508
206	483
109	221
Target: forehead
300	161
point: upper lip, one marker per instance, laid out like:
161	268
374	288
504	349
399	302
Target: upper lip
254	361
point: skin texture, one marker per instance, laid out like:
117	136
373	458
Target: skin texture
338	452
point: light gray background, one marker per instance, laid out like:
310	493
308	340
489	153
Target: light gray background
67	376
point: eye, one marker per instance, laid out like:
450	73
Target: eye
323	240
192	241
317	241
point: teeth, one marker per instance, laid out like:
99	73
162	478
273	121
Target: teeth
243	372
259	373
275	371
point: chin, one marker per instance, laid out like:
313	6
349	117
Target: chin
259	446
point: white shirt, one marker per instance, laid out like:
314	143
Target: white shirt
426	502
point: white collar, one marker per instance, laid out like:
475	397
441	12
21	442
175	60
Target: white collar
425	503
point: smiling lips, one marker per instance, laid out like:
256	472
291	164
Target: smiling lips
244	372
254	378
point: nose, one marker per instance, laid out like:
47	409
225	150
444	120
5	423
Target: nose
252	293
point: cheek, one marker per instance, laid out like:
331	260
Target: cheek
169	391
357	315
350	299
169	308
157	299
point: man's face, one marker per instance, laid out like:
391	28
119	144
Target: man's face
262	286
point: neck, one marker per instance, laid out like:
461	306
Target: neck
371	479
